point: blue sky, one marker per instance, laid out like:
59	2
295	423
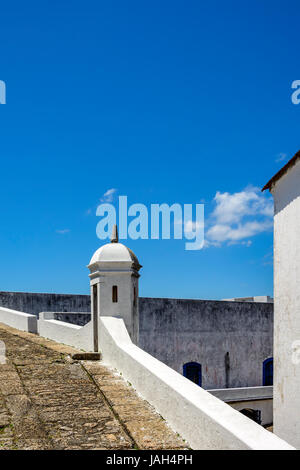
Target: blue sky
165	102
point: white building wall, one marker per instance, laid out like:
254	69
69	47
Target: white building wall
286	194
125	307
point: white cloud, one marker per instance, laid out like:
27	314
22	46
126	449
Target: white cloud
192	226
63	231
280	157
108	196
230	208
239	216
268	259
247	243
222	233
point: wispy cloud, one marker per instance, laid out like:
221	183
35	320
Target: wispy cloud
108	196
268	259
192	226
226	233
238	217
280	157
63	231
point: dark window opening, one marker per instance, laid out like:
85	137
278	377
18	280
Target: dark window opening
95	316
134	297
255	415
192	371
268	371
115	294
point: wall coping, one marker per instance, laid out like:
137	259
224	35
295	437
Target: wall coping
243	393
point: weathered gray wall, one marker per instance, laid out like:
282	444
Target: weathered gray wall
75	318
35	303
178	331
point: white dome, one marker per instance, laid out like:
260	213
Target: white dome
114	253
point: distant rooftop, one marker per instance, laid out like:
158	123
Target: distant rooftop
281	172
259	298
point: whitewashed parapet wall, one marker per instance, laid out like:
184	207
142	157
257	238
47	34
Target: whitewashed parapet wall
80	337
200	418
20	320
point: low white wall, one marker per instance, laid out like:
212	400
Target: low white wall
80	337
202	419
243	393
19	320
255	398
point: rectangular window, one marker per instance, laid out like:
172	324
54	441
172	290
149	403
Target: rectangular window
115	294
95	316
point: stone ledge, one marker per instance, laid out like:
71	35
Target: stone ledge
88	356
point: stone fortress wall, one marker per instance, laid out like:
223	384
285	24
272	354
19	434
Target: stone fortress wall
179	331
229	339
35	303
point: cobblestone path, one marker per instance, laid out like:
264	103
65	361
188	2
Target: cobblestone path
49	401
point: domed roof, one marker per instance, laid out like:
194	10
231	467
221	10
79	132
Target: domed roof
114	252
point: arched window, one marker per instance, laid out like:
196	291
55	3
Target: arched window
115	294
192	371
268	371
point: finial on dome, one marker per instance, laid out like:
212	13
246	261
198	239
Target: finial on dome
114	235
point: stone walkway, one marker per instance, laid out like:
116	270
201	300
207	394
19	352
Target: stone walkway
49	401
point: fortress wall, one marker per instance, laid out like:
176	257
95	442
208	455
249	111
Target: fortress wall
177	331
35	303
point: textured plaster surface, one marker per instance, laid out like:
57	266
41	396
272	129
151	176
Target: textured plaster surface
178	331
287	306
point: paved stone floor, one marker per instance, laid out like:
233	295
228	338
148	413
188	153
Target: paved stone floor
49	401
